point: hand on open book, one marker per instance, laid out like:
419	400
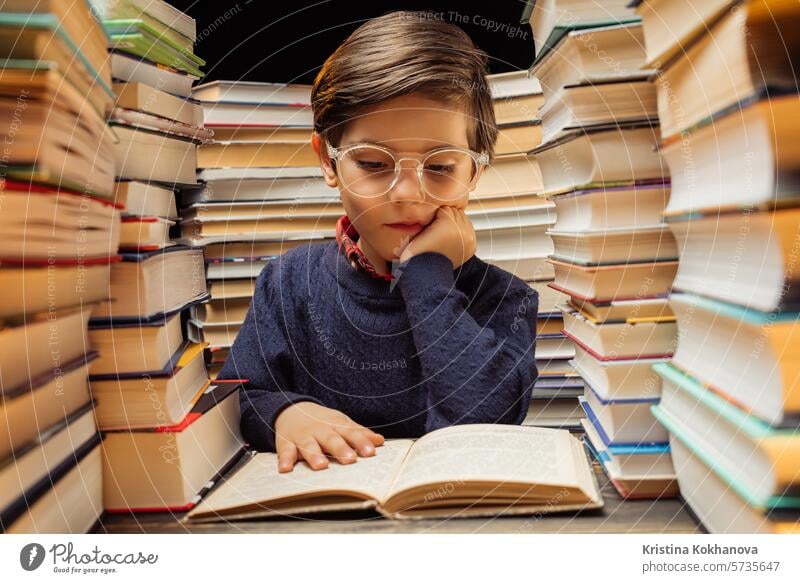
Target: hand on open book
311	432
450	233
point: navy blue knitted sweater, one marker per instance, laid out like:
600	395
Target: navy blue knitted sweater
443	347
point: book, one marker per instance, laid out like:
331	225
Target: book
145	199
625	379
150	398
742	258
171	37
635	473
245	155
142	97
735	59
150	155
552	19
597	104
718	505
44	222
623	310
513	84
231	288
132	347
508	175
262	190
158	9
549	298
768	476
215	335
78	22
556	346
620	340
263	134
150	283
225	311
145	233
25	285
667	30
27	471
162	469
228	113
146	121
235	251
62	142
625	424
42	38
622	155
253	93
236	268
129	68
744	157
573	62
45	400
141	38
513	242
518	137
614	245
745	355
517	109
562	413
445	473
611	207
202	232
606	283
70	501
44	82
34	339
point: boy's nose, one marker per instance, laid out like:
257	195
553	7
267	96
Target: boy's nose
408	186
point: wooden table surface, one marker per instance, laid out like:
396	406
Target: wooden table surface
618	516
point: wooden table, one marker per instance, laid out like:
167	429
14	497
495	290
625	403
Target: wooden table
618	516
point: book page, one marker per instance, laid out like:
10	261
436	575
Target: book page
494	453
259	481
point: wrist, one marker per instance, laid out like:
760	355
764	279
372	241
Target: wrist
429	268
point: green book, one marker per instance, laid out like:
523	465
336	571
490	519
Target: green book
158	36
50	22
754	430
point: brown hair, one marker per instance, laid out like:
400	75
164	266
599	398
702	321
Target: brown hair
397	54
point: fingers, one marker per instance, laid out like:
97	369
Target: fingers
362	440
312	453
334	444
287	455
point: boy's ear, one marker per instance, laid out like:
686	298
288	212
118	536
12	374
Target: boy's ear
328	172
478	178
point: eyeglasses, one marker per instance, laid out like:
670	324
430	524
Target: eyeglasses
370	170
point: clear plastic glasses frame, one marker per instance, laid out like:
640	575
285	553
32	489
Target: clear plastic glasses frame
371	170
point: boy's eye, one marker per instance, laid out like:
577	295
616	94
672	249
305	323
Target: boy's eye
440	168
373	165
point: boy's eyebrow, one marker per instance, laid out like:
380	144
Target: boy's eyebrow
385	145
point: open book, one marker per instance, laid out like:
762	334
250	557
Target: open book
461	471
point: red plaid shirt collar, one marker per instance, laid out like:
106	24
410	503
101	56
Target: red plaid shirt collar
346	237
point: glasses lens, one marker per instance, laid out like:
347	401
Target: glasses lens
448	174
367	171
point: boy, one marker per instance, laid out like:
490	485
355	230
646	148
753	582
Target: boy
395	329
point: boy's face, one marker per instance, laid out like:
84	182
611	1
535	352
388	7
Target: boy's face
411	126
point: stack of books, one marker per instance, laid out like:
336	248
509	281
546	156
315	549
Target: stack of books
168	430
261	194
512	185
60	234
727	95
613	256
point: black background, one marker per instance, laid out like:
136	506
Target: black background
287	42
